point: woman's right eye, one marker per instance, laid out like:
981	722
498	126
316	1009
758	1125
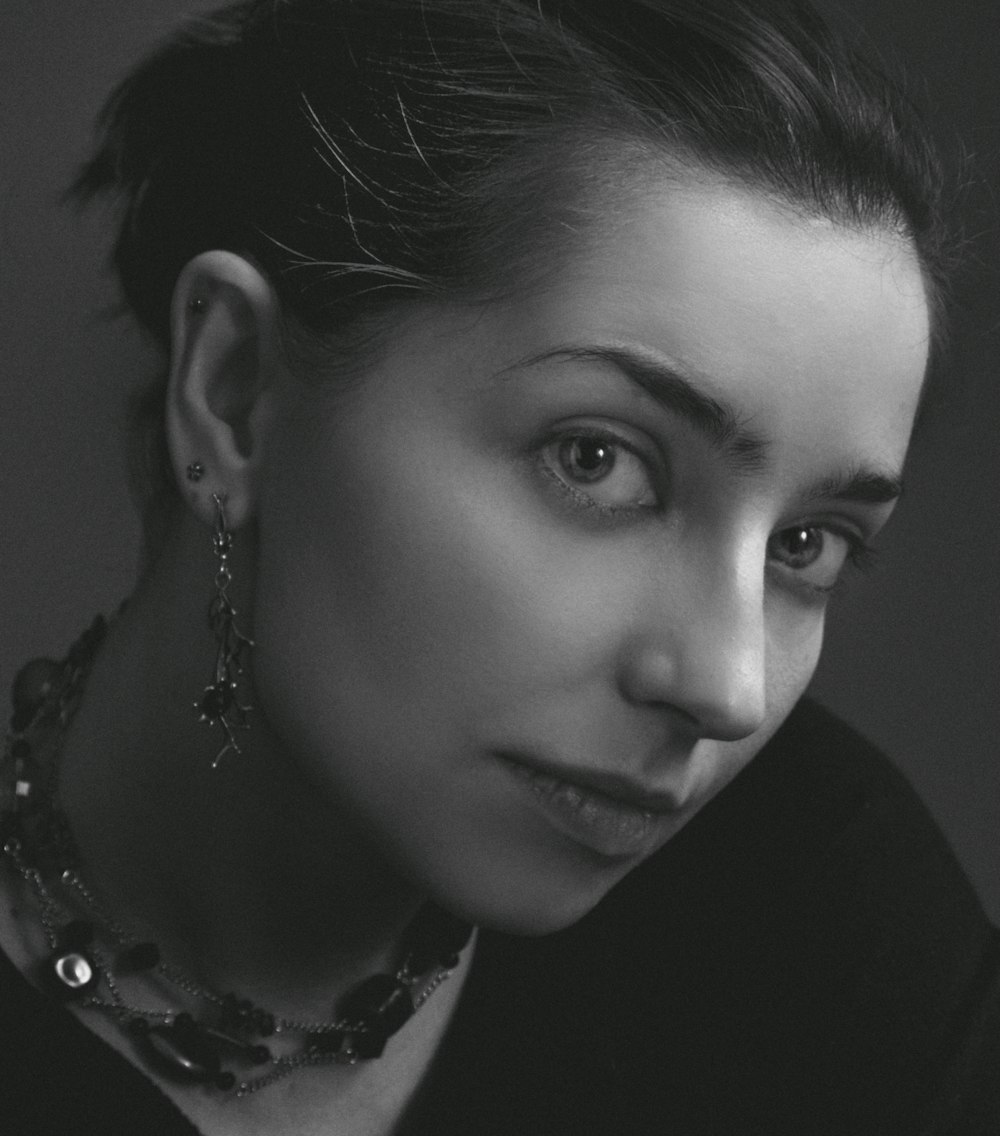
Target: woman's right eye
600	470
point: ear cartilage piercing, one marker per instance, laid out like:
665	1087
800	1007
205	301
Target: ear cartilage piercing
219	704
195	471
197	306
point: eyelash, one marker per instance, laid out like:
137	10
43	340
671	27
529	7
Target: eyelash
582	500
860	555
862	558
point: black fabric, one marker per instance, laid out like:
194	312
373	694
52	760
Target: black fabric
804	958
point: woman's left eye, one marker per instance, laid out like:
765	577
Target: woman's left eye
813	555
600	471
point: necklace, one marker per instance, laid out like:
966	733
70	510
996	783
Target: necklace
183	1029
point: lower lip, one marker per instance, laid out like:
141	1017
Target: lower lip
598	822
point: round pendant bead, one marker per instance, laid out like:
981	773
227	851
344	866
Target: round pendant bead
216	701
187	1047
71	974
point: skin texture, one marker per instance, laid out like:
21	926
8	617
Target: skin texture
429	594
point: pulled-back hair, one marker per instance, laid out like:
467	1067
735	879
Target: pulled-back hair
367	151
362	149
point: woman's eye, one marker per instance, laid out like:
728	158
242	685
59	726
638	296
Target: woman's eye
812	554
600	471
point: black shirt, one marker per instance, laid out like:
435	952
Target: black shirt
804	958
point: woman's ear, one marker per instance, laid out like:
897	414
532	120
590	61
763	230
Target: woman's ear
224	366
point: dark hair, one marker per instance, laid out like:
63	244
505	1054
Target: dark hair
361	151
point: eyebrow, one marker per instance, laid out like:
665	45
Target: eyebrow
718	421
715	420
866	487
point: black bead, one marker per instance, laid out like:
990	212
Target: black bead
140	956
33	684
381	1003
371	1044
260	1054
330	1041
242	1016
216	700
77	935
180	1051
264	1023
225	1081
434	938
366	998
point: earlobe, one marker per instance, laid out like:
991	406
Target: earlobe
224	364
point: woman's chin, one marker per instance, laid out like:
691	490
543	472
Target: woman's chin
528	910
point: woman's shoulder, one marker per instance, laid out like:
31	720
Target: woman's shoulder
812	934
805	956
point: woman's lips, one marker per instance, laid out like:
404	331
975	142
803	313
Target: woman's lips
604	812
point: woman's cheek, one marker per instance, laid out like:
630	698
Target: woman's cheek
794	643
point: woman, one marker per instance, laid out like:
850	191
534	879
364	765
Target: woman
535	372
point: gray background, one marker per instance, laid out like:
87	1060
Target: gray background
913	651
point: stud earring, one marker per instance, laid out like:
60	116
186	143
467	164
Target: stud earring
195	471
197	306
219	704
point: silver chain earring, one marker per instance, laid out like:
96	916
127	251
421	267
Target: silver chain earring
219	704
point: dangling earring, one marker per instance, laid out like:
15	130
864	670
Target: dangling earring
218	705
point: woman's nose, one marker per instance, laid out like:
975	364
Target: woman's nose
701	651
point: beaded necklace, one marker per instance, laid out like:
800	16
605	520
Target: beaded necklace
188	1033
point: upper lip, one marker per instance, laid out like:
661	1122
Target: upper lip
618	787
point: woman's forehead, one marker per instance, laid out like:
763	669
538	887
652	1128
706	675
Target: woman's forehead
812	335
770	310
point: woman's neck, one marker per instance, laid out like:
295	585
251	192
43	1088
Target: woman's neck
243	874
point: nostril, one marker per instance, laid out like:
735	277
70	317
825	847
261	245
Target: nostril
647	675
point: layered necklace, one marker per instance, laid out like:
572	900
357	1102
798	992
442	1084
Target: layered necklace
186	1031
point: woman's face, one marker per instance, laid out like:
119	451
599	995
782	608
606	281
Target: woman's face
537	588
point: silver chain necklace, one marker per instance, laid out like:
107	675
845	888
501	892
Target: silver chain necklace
186	1031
